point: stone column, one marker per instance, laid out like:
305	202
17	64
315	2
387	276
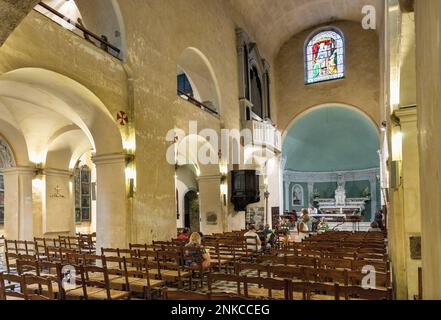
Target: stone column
286	197
428	48
411	215
18	203
373	185
211	204
310	192
58	216
112	220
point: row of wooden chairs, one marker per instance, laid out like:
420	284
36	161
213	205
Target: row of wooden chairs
345	277
286	289
93	277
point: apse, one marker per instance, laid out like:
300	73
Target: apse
328	149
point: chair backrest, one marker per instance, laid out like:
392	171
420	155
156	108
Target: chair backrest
8	280
254	267
330	291
44	291
344	264
359	293
301	261
183	295
212	278
288	272
27	266
96	277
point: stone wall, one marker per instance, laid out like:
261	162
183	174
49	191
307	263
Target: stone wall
360	87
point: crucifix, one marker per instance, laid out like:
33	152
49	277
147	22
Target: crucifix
57	194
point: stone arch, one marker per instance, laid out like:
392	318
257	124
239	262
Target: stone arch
202	77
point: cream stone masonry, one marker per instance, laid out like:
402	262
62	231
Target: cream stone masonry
112	227
18	203
360	88
12	12
428	47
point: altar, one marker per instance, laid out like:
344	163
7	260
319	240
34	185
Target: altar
341	204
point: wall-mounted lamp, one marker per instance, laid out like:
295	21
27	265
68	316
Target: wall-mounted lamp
130	173
224	191
397	145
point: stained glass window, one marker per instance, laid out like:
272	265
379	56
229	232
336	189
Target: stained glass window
82	194
325	55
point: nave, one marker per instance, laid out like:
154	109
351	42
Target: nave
330	266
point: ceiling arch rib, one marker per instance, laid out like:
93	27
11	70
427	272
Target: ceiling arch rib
57	102
273	23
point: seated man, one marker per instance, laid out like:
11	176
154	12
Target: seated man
253	240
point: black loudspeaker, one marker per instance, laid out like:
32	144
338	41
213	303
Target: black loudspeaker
244	188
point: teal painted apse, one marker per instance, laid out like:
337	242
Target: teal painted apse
331	139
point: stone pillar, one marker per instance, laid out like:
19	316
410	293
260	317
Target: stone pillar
286	198
428	48
374	200
112	220
58	216
18	203
210	204
310	193
411	217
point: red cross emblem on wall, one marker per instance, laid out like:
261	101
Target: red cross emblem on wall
122	118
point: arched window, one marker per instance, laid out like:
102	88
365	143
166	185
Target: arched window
325	56
83	188
297	196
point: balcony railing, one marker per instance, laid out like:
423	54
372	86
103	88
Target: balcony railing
265	134
103	44
197	103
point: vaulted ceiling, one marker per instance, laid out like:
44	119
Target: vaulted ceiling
275	21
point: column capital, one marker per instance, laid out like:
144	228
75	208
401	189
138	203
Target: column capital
113	158
57	172
407	114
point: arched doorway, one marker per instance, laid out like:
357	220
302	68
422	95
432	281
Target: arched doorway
191	208
332	164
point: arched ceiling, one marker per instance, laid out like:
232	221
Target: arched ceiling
332	139
275	22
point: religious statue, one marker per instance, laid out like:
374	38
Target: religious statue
340	193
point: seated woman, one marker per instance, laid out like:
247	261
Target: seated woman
302	228
196	255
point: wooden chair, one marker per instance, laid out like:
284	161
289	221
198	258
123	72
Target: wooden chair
341	264
96	285
382	280
8	284
168	294
359	293
11	261
171	269
379	266
288	272
266	288
301	261
297	290
322	291
139	280
212	278
38	288
27	267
